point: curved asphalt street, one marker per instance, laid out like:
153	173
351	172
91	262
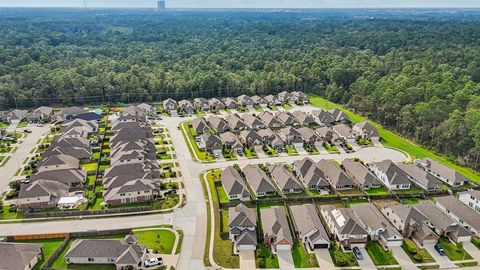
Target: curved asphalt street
191	218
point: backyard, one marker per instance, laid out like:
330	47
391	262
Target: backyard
48	245
162	240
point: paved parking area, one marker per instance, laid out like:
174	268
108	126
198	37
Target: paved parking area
285	260
247	259
324	260
443	261
366	263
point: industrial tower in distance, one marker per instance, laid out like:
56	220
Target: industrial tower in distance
161	6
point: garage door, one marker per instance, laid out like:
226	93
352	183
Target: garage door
315	246
430	241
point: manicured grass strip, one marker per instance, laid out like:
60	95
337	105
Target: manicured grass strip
379	255
454	252
265	257
188	136
377	191
301	258
161	240
393	140
416	254
92	166
48	245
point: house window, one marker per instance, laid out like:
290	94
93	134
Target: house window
91	259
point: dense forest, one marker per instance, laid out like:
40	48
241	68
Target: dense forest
414	71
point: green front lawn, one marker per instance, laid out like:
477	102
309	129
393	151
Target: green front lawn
476	241
340	258
287	106
393	140
416	254
161	240
264	258
250	153
331	149
291	151
48	246
453	251
22	124
378	255
301	258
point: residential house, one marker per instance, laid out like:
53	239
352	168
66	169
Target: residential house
145	167
307	171
285	180
215	104
309	137
291	136
234	185
287	119
76	147
322	117
300	97
21	256
471	198
69	113
138	190
253	122
211	143
305	119
308	226
90	127
259	101
15	116
41	194
366	131
447	175
344	132
273	100
186	106
420	177
339	116
201	104
123	254
170	105
236	123
360	174
345	225
134	110
58	162
271	139
242	227
337	178
230	103
442	224
276	232
200	126
69	177
391	175
218	124
245	101
259	181
41	114
328	135
377	225
231	141
460	212
410	221
270	120
250	138
149	109
285	97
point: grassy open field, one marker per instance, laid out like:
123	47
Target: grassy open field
390	139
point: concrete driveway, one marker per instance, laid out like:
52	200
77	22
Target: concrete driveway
402	258
472	250
285	259
324	260
366	263
443	261
247	259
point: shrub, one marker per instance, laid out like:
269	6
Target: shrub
417	257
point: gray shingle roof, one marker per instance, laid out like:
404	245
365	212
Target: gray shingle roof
68	177
42	188
335	175
242	216
420	176
258	179
396	176
306	220
444	171
374	220
284	178
360	173
233	182
324	116
274	223
217	123
462	211
17	256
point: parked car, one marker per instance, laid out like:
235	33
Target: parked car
153	262
240	153
440	250
357	253
217	155
27	130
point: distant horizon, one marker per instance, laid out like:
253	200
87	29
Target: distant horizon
246	4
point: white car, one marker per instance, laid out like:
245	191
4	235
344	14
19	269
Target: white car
153	262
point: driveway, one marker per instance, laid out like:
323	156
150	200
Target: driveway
472	250
285	260
24	148
366	263
324	260
443	261
247	259
402	258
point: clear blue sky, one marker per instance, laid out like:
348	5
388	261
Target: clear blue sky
245	3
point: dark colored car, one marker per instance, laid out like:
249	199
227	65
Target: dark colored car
357	253
440	250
